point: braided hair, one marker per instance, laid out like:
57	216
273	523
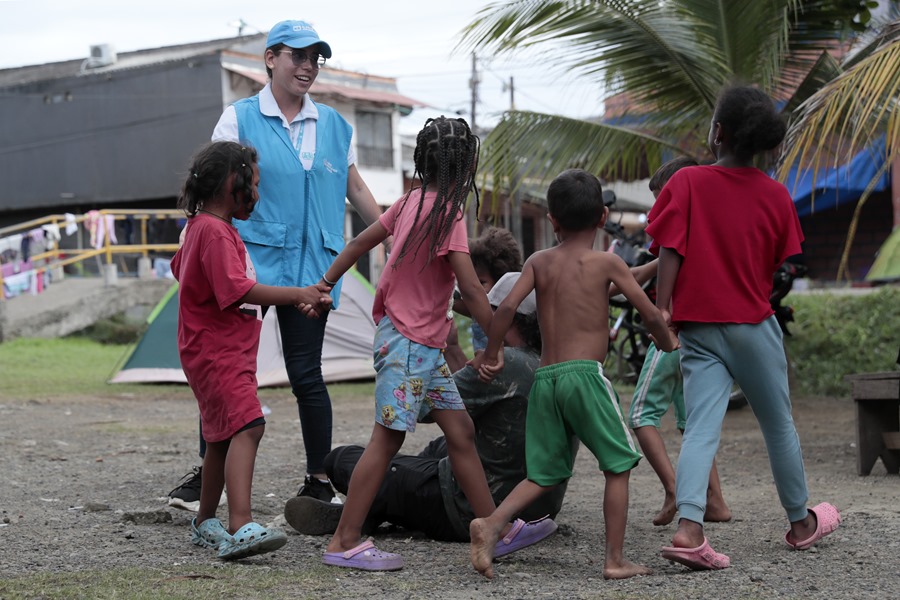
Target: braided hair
446	159
210	169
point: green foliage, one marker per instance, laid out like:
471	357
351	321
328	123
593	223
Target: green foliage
838	334
118	329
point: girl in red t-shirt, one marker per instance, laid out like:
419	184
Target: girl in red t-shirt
721	231
219	320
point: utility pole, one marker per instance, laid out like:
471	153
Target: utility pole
512	93
472	217
474	80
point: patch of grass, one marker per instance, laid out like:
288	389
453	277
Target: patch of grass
838	334
60	367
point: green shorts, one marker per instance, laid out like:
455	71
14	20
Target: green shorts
574	398
659	385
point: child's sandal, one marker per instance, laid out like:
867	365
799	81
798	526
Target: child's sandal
250	540
210	534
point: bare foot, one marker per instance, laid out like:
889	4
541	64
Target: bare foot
717	510
481	550
624	570
717	513
667	513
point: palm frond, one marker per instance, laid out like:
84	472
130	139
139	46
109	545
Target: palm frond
846	114
657	54
534	146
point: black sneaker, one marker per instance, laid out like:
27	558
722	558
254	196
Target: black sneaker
311	516
314	488
186	495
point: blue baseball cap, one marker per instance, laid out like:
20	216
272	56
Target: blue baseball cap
297	34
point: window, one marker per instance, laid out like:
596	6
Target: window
374	139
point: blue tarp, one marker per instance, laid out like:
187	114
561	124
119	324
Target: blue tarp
836	186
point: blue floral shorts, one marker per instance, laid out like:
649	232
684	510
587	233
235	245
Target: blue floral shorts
411	380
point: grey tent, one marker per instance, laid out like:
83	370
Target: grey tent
346	354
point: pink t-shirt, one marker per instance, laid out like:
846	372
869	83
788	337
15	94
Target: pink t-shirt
733	228
217	337
416	293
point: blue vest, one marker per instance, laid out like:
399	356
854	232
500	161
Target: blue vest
297	228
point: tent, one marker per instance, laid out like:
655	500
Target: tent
346	355
887	264
839	185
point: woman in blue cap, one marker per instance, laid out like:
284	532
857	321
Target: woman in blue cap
307	169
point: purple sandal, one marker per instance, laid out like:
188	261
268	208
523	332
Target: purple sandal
523	535
365	557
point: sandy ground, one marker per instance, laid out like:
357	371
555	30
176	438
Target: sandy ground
84	483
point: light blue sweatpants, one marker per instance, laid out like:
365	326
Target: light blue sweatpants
713	356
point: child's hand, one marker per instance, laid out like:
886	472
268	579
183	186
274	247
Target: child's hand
313	301
670	344
667	317
487	368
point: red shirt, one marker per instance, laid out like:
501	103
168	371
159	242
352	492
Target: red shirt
217	338
733	228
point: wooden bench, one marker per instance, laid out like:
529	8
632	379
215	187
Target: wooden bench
877	398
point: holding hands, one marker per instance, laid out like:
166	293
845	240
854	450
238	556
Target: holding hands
487	367
313	300
672	342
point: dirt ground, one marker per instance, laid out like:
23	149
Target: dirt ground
84	483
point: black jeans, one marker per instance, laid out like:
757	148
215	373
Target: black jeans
301	342
410	495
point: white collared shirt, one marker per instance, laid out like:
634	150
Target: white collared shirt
302	129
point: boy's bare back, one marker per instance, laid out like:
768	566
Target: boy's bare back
572	287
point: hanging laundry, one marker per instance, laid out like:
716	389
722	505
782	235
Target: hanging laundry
51	236
95	226
71	223
15	244
26	247
110	222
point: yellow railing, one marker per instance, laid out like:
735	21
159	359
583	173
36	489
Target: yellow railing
61	257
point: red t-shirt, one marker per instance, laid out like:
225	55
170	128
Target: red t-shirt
416	294
217	338
733	228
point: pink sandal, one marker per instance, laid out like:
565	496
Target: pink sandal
827	520
701	558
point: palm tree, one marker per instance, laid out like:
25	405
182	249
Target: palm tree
856	107
671	57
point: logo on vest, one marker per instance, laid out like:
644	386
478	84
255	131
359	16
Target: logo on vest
328	166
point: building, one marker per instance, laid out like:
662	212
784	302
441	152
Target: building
118	129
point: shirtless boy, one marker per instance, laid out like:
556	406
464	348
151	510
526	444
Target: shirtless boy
570	393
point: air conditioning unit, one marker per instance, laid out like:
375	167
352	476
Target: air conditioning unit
101	56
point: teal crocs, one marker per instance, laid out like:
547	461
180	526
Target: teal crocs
210	534
251	539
